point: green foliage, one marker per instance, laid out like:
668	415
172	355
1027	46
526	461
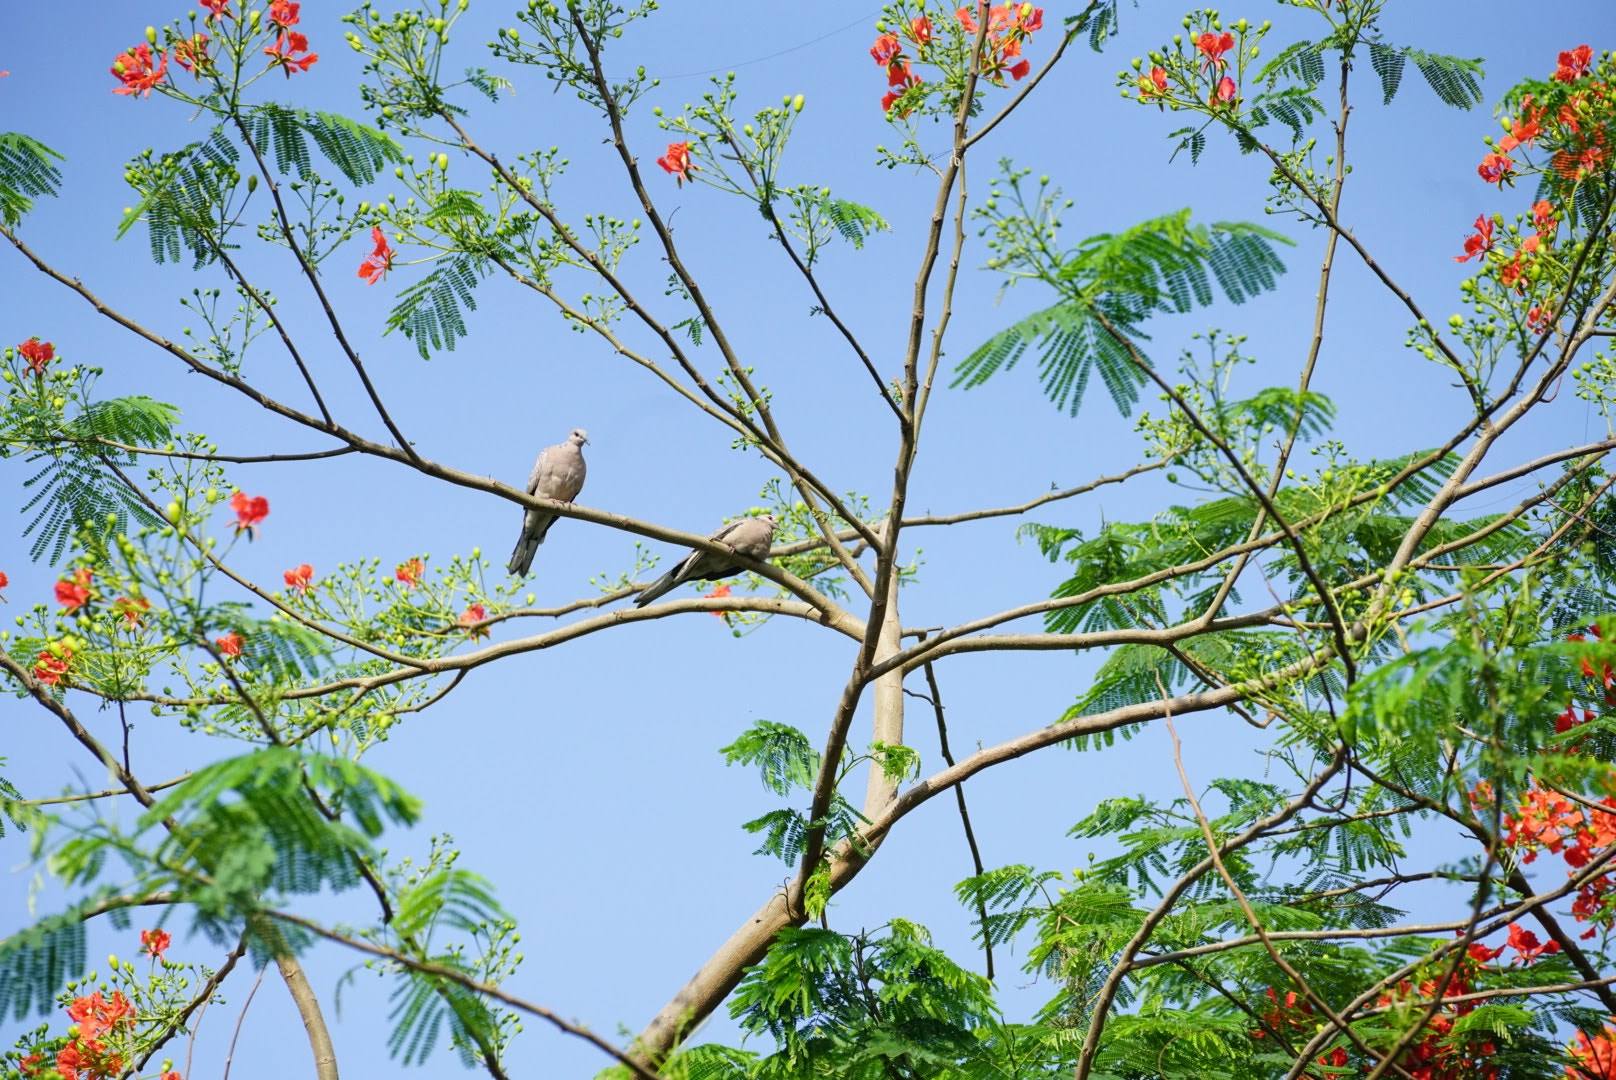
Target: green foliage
357	150
784	757
1110	285
27	172
429	311
76	496
34	963
853	221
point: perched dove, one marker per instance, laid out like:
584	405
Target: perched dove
749	536
558	474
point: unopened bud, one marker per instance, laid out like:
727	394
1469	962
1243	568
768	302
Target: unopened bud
151	35
797	103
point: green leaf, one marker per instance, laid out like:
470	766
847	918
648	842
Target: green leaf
27	172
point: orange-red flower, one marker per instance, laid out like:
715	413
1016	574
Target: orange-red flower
409	573
192	53
1226	89
677	162
131	608
4	581
886	49
1543	217
216	8
1495	168
1573	64
229	645
1008	26
288	43
1537	320
37	353
379	261
1594	1057
901	79
153	942
49	668
1525	944
469	619
74	594
719	591
94	1014
1525	130
137	72
249	511
1153	84
1212	47
300	578
920	31
1480	242
284	12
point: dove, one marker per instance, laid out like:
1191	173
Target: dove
749	536
558	474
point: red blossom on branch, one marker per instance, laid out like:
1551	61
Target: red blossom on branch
216	8
284	12
37	353
886	49
50	667
1573	64
75	593
717	593
1526	945
192	53
229	645
379	261
249	512
136	71
4	581
300	578
153	942
1525	130
1212	47
920	31
131	608
409	573
1154	84
1009	25
1495	168
1226	89
471	617
1481	241
677	162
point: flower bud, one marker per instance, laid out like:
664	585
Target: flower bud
151	35
797	103
252	183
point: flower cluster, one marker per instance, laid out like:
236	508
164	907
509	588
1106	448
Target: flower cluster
1212	47
1009	26
471	621
137	71
888	53
283	51
1439	1055
300	578
409	573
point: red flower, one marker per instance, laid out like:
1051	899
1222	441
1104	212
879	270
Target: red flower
229	645
4	581
192	53
74	594
1226	89
1481	953
901	80
1153	84
1495	168
1213	47
95	1015
49	668
215	8
1573	64
677	162
720	591
249	511
131	608
409	573
1481	241
1525	943
153	942
37	353
379	261
284	12
1594	1057
1511	274
1543	217
1019	71
288	43
886	49
469	619
920	30
1537	321
134	69
300	578
1525	130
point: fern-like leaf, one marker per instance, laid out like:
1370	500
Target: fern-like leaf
27	172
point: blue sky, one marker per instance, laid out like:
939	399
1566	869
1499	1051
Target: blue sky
586	782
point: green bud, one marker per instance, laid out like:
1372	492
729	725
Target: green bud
151	35
797	103
252	183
